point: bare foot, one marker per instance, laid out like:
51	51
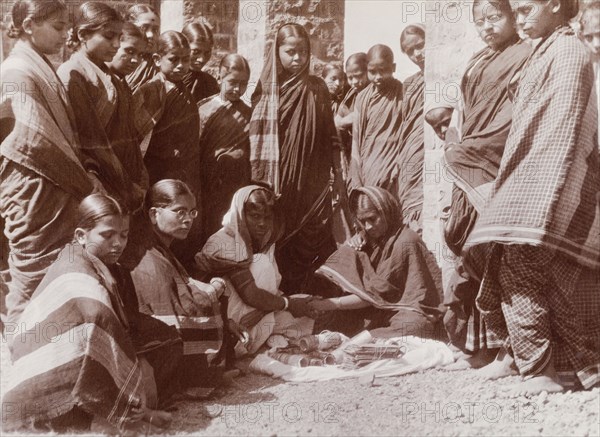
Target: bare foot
501	367
546	381
480	359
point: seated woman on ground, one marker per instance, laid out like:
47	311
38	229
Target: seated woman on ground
384	275
166	291
95	366
243	252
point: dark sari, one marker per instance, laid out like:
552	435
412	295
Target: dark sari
201	85
376	137
474	165
412	152
398	276
143	73
225	157
292	140
170	115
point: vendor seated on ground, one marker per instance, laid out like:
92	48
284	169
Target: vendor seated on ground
243	253
387	280
166	291
103	355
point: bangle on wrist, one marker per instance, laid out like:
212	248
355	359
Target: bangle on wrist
286	303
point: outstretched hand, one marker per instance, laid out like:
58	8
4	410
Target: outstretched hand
300	306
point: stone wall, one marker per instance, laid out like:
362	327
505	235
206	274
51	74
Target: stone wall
451	37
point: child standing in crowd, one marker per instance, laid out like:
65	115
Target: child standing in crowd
335	79
538	238
224	142
169	122
200	83
412	142
121	129
145	18
91	369
292	136
93	97
42	178
376	129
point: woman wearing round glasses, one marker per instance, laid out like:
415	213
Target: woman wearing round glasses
165	289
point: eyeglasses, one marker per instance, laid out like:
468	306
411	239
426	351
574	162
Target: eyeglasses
182	213
490	19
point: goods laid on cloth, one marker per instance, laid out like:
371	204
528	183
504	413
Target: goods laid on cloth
419	354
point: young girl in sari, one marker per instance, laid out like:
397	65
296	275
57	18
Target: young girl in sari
145	18
121	128
243	253
169	122
535	243
93	97
200	83
42	178
89	368
166	291
336	82
292	139
412	142
224	142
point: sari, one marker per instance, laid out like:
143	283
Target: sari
537	237
201	85
224	153
397	276
473	163
228	253
143	73
93	98
292	141
412	152
166	292
84	358
376	137
42	179
168	120
124	137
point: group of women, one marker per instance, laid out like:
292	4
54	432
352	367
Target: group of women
159	227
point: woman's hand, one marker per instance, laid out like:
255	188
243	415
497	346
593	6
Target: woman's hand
357	242
299	306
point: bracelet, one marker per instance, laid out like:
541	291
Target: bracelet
286	303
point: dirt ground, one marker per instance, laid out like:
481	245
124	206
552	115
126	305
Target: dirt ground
432	402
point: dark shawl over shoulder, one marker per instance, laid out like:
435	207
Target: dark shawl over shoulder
399	272
201	85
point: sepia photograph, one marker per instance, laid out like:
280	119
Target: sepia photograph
300	218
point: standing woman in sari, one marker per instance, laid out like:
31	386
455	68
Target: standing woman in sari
536	241
145	18
473	164
224	142
292	139
93	97
200	83
42	179
412	141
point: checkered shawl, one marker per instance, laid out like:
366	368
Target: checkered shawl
548	182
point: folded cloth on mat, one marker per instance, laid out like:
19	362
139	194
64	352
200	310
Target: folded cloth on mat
421	354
